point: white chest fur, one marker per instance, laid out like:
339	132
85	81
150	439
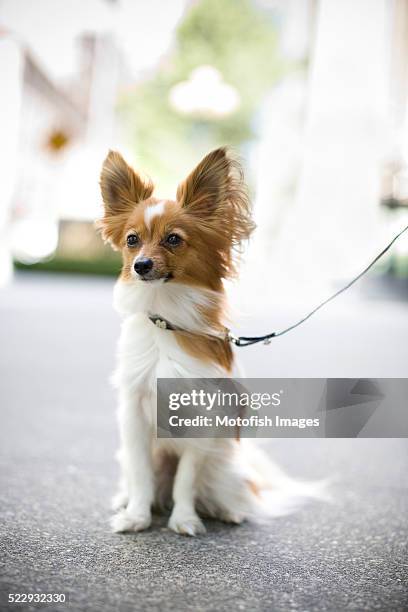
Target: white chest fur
147	352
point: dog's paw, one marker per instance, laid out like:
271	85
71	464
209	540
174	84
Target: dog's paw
190	525
120	500
126	521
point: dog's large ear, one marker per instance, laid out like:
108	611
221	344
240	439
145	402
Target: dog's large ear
215	192
122	188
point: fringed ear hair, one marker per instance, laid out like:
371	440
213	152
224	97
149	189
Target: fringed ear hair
215	192
122	188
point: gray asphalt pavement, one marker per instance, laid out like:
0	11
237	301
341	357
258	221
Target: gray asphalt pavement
58	436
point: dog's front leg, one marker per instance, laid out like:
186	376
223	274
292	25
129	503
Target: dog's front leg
135	434
184	518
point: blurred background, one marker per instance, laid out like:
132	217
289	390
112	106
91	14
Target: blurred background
312	94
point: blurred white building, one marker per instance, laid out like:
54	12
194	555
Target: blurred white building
324	142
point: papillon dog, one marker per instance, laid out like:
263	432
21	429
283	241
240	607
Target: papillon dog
176	255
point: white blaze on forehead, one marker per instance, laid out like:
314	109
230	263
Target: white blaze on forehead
154	210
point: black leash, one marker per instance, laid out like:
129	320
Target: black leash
249	340
228	336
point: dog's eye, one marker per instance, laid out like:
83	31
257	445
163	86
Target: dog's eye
132	240
173	239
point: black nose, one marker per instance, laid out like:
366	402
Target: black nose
143	265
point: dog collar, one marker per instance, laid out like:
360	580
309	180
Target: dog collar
163	323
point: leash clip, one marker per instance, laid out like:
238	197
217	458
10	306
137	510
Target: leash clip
231	337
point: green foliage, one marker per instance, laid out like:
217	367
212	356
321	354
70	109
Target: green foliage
97	266
239	40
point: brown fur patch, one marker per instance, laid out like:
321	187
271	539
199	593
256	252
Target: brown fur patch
122	188
207	349
216	196
253	487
